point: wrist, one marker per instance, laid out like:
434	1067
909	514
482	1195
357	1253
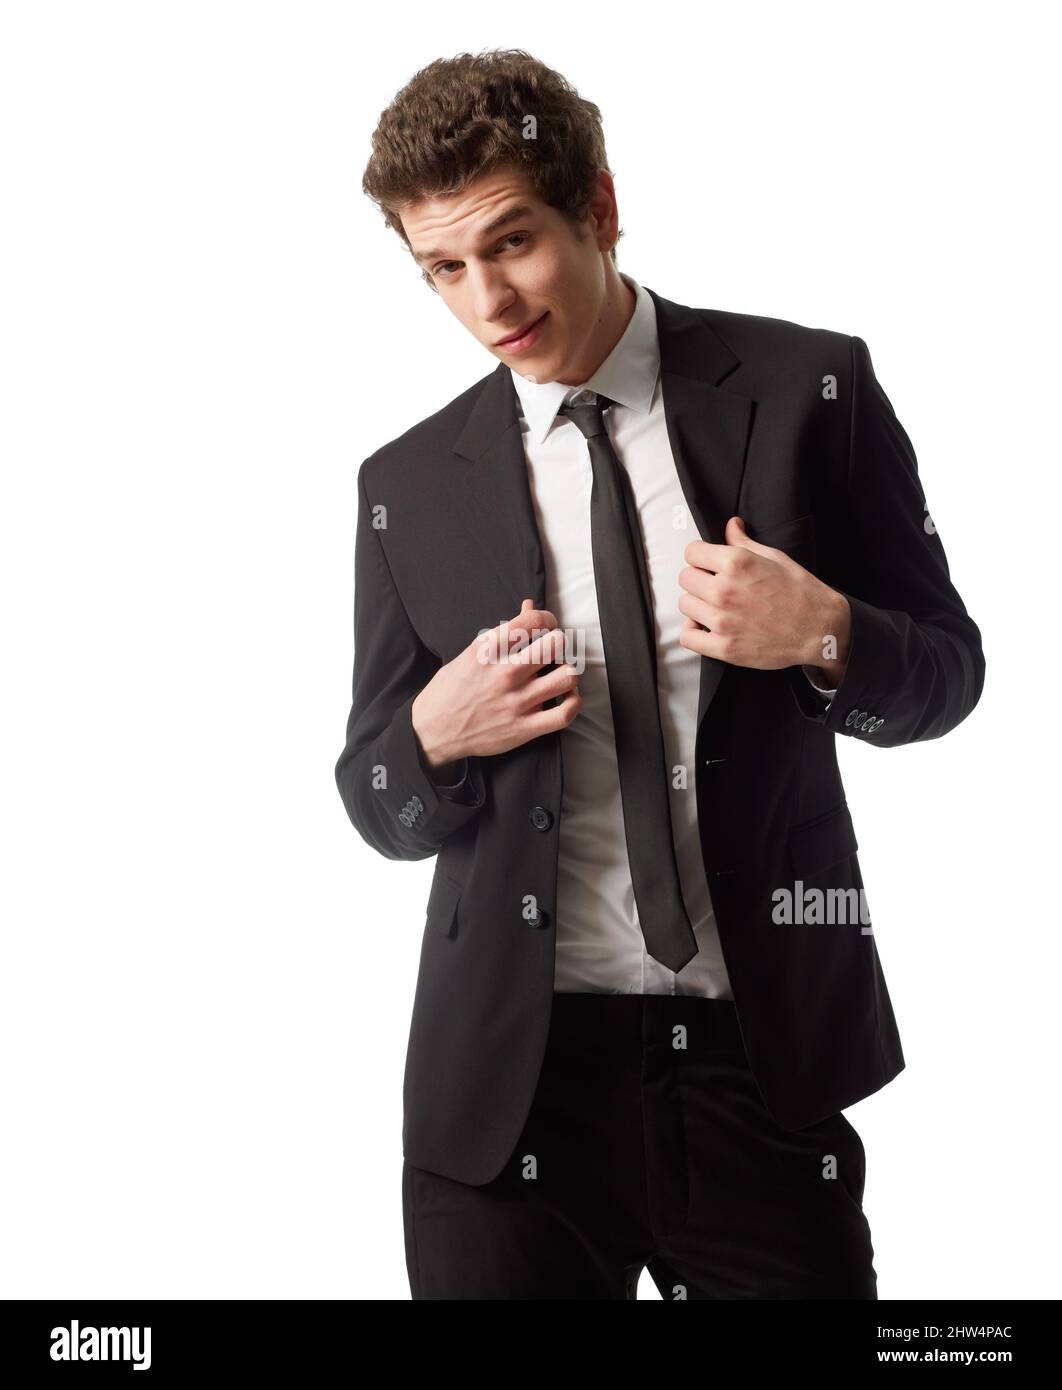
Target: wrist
440	759
829	645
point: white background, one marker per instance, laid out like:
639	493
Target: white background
206	975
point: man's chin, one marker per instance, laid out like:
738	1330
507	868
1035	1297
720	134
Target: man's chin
536	373
539	369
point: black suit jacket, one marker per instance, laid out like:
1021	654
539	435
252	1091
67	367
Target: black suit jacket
447	545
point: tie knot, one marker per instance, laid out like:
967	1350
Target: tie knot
588	415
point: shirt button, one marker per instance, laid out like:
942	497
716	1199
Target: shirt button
541	819
538	920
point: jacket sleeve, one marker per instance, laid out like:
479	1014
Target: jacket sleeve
915	667
385	785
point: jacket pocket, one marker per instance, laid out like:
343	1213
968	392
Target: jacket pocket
824	840
442	905
795	536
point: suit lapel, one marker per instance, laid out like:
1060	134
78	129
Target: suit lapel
496	503
708	429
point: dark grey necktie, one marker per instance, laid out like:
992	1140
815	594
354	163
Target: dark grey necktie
628	635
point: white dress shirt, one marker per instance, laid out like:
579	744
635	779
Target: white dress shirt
599	945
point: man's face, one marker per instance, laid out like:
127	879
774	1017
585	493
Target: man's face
500	270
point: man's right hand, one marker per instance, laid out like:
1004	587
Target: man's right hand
476	708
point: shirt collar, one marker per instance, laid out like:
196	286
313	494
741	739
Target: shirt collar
627	375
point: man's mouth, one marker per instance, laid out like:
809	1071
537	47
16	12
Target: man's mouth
516	340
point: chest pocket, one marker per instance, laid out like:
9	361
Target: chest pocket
795	536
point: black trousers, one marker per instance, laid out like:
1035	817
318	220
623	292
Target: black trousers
647	1144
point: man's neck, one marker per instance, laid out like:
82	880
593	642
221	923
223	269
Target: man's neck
618	311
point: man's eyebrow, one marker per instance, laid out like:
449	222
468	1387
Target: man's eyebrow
521	210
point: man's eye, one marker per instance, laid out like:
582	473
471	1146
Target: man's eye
513	236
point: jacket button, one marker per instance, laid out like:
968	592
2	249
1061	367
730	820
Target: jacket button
541	819
538	920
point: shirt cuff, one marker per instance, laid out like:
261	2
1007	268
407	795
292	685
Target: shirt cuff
462	790
815	676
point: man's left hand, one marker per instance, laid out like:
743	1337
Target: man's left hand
764	610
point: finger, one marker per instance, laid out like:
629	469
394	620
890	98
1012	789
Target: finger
546	721
514	635
549	686
531	617
546	648
697	581
702	613
696	639
707	556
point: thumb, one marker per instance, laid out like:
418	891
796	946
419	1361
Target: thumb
531	620
530	617
501	637
736	534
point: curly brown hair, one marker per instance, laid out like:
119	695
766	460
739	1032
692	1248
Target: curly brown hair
462	117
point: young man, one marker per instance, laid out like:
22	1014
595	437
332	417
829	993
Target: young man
698	548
